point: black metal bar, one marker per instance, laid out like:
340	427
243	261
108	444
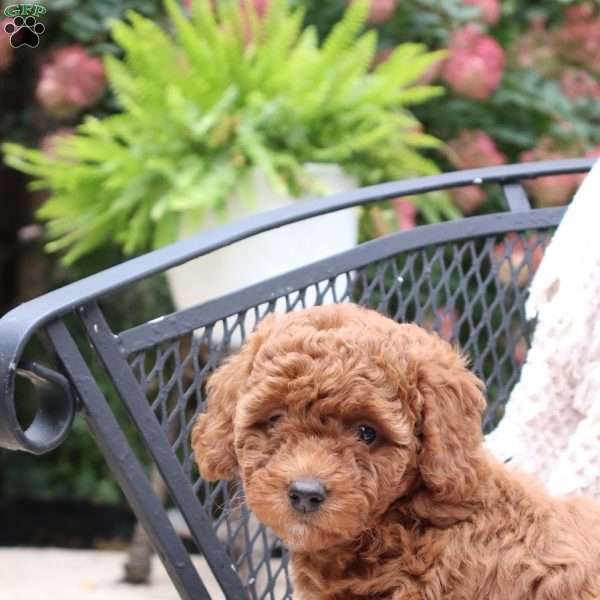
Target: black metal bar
516	197
127	468
53	419
184	321
57	407
154	438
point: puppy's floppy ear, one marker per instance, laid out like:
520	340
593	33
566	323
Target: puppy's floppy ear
212	434
448	403
452	406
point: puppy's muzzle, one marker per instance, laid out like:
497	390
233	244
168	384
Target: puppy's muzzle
306	495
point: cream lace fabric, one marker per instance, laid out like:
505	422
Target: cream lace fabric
551	427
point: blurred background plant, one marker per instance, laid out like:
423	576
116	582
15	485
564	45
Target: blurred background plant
521	83
225	94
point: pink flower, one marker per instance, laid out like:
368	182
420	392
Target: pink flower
476	63
49	142
593	153
536	49
577	83
578	40
474	148
579	177
468	199
447	320
406	213
554	190
70	82
260	7
470	150
380	11
6	50
489	9
443	321
381	56
579	12
516	259
519	352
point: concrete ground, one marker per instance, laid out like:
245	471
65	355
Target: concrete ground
58	574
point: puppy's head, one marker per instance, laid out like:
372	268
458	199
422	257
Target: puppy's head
331	414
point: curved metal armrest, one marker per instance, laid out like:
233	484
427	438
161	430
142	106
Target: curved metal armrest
53	419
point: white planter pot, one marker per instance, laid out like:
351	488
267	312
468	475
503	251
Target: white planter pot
271	253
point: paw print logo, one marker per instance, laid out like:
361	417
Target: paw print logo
24	32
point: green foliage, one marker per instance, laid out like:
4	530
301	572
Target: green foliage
76	468
547	100
201	110
226	94
426	21
67	23
89	22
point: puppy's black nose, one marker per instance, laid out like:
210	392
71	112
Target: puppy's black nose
306	495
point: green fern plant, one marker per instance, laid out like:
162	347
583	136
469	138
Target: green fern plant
220	95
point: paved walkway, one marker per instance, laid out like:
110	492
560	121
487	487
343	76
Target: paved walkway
58	574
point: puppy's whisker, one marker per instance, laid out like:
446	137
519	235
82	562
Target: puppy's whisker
233	505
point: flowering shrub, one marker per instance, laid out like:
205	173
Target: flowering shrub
64	75
381	10
194	106
70	81
406	213
444	322
476	63
578	39
549	191
50	142
577	83
526	77
513	257
470	150
489	10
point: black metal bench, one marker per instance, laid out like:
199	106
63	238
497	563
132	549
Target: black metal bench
459	277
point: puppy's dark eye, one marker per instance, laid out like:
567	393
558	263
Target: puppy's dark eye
366	434
274	419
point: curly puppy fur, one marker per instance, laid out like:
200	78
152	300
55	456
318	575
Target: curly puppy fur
424	512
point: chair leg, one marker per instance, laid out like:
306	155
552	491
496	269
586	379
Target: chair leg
138	566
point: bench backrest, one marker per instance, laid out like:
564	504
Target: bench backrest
466	279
